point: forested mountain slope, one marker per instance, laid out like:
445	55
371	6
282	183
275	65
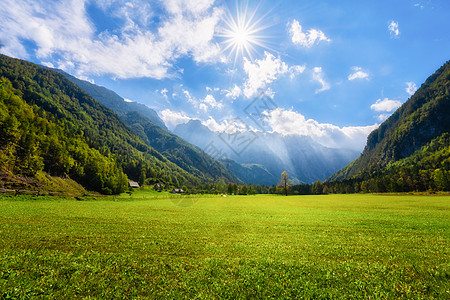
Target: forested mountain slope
177	150
146	123
113	101
410	150
49	124
424	117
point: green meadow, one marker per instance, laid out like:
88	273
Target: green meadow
157	245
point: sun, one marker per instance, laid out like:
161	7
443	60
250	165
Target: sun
242	34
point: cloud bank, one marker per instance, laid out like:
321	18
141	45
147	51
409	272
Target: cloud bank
63	31
264	71
288	122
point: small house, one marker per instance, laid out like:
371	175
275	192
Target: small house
177	191
133	184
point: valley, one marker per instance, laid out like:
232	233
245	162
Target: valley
149	244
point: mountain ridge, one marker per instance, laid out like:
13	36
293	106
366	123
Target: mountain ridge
146	123
304	159
415	124
50	124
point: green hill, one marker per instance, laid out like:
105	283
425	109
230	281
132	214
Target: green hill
411	147
48	124
113	101
146	123
183	154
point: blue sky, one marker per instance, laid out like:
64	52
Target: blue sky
330	67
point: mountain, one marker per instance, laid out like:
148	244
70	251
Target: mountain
48	124
113	101
185	155
410	151
424	117
271	153
146	123
250	173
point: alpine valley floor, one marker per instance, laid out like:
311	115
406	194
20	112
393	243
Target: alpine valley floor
157	245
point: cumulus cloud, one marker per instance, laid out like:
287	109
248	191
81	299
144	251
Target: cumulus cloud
319	77
212	102
63	31
172	118
358	73
264	71
229	126
288	122
306	39
386	105
393	29
234	93
203	104
411	88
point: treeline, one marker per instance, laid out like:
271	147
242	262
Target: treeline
428	169
424	117
49	124
30	142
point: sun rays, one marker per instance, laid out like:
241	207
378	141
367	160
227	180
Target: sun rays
243	33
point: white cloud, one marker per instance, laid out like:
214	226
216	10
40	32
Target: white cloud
393	29
63	30
386	105
234	93
358	73
172	118
288	122
210	89
128	100
318	76
214	126
411	88
264	71
164	92
383	117
295	70
211	101
228	126
190	6
306	39
203	104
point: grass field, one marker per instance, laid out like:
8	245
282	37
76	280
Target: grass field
264	246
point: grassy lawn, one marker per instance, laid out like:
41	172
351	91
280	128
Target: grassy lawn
160	246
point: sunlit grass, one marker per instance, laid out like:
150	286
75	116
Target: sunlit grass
159	245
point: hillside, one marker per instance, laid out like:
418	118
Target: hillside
48	124
146	123
177	150
413	140
113	101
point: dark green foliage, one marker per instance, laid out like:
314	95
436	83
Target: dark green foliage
410	151
146	123
178	151
422	118
427	169
48	123
249	173
113	101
